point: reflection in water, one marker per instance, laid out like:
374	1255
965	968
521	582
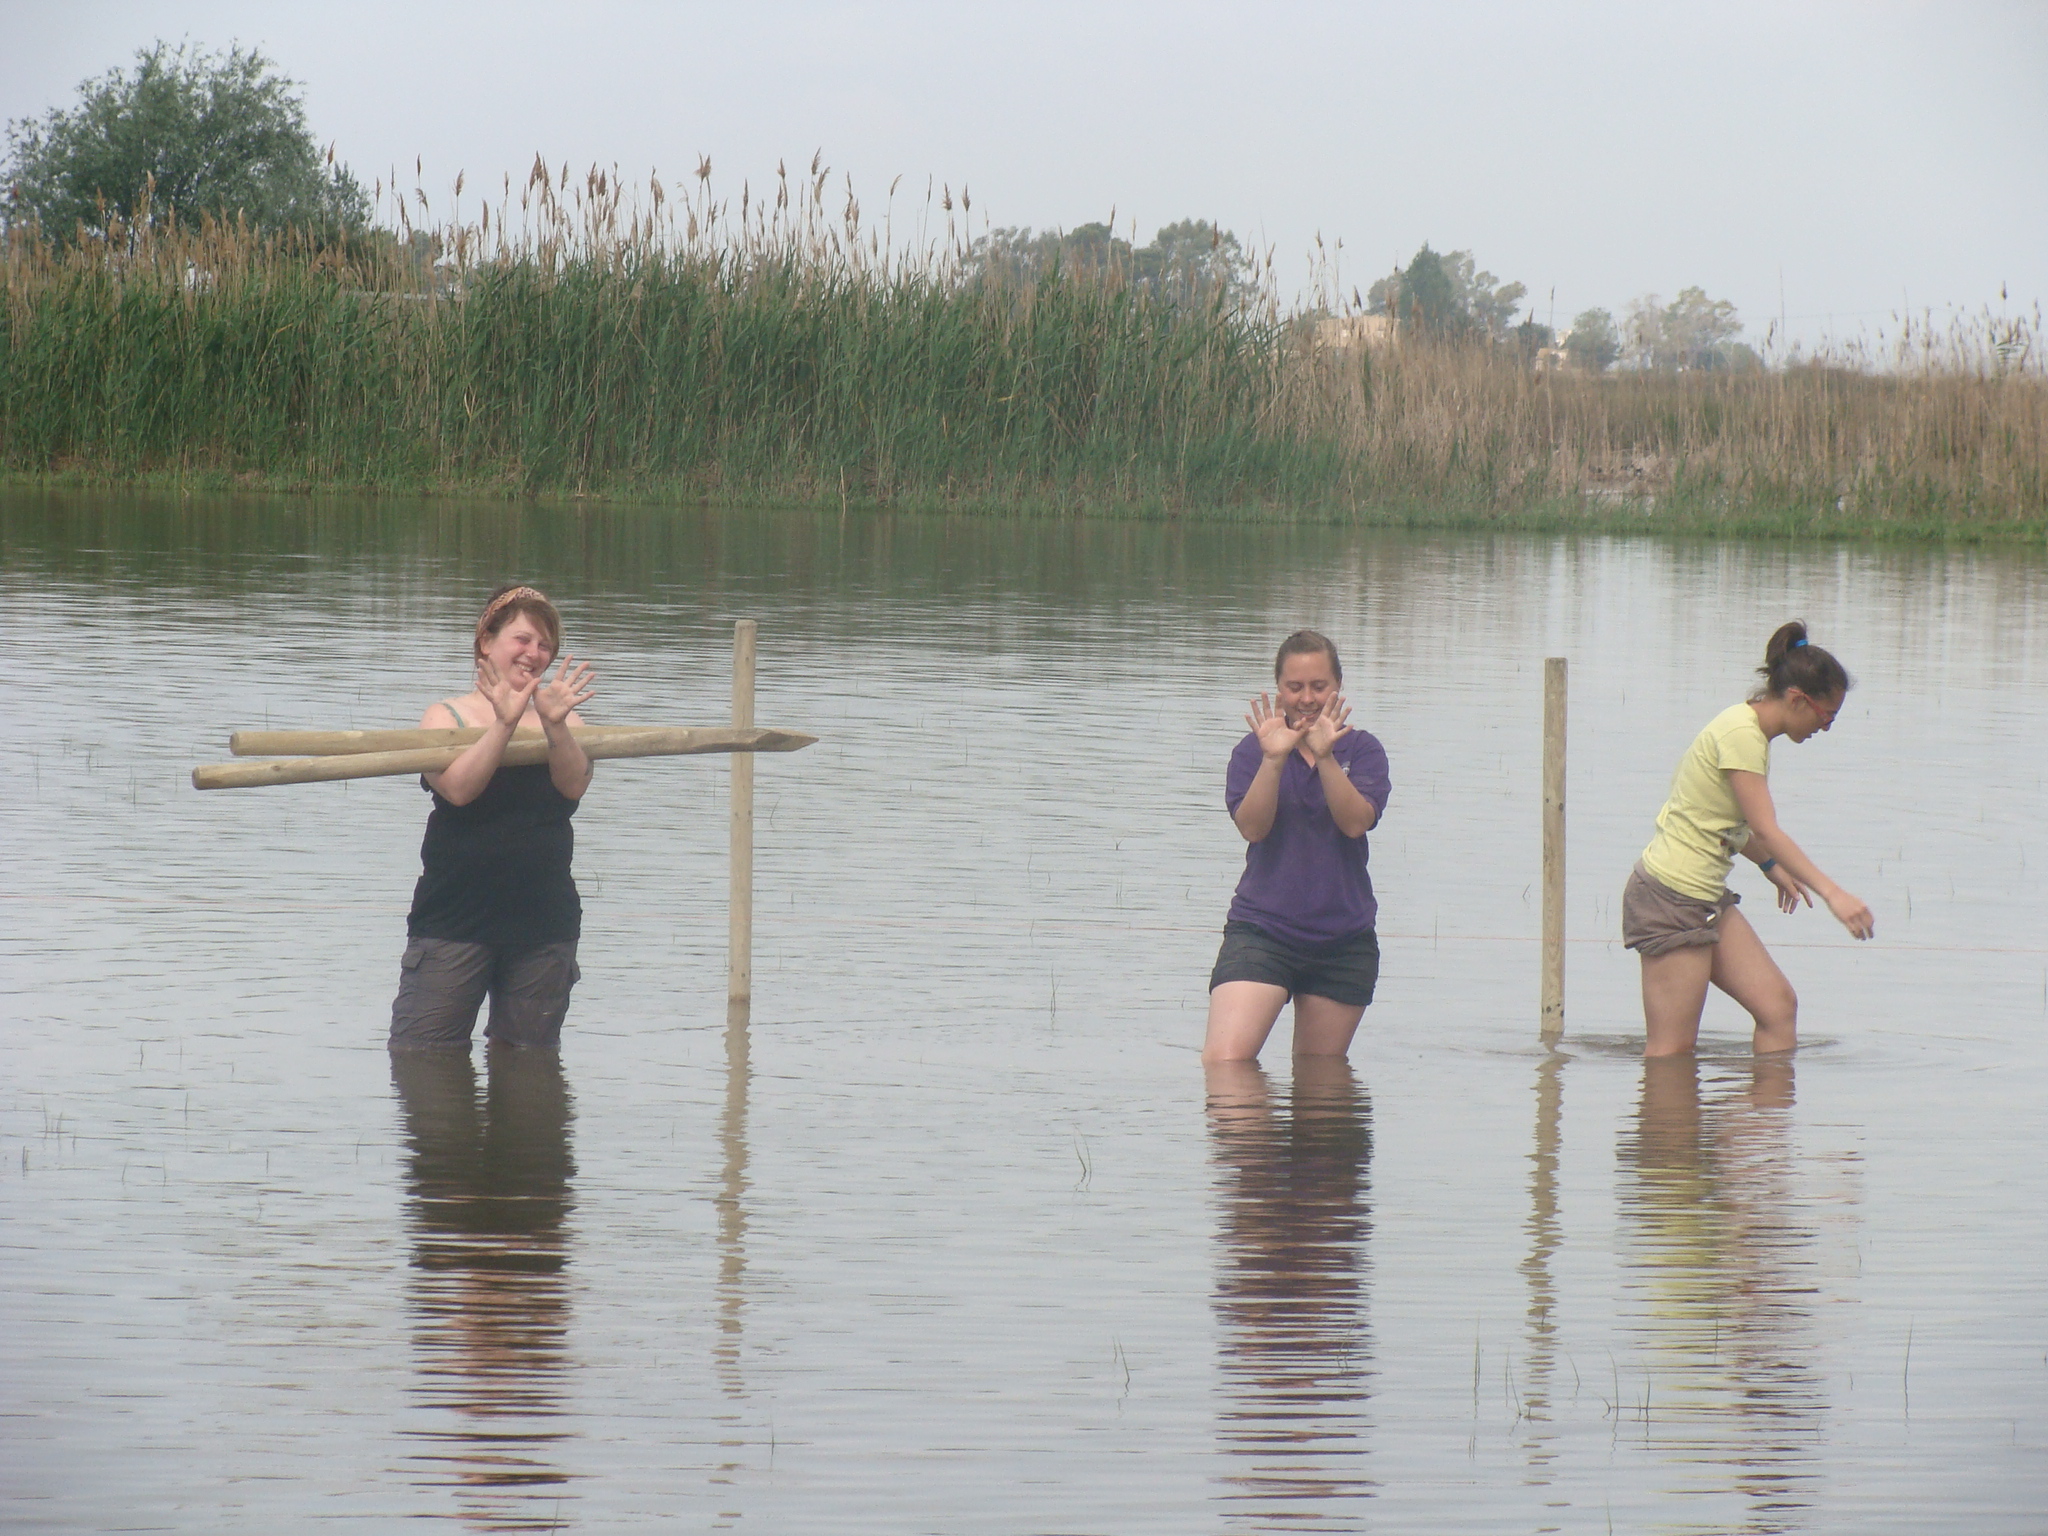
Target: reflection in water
1726	1270
1538	1388
1295	1354
727	1353
732	1211
488	1190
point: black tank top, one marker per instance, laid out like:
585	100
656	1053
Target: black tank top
496	871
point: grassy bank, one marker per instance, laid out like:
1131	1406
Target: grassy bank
578	345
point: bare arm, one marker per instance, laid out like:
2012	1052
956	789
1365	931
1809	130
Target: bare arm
1261	803
568	764
1354	814
1768	840
465	778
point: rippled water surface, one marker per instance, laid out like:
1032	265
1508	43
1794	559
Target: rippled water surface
953	1234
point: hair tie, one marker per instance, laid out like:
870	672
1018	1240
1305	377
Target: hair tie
514	595
1796	643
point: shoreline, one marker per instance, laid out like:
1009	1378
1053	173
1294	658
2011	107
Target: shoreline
1716	515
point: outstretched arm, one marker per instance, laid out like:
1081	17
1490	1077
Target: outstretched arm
1768	840
1354	814
568	764
468	776
1261	803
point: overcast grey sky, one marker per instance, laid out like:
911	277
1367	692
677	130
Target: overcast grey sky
1862	155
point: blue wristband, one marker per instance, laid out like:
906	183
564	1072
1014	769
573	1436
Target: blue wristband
1768	865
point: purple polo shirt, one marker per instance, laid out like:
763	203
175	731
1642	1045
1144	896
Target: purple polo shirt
1305	882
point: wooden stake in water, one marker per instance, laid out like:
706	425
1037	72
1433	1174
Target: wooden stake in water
739	975
1553	847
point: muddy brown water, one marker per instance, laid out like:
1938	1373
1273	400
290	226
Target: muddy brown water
952	1235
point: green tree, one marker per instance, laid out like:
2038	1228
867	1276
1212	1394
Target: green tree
1593	343
1691	332
1444	294
1488	303
185	130
1698	329
1190	260
1194	259
1423	295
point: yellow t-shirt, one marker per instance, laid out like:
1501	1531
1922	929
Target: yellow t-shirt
1700	829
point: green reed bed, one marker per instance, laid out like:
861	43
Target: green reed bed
773	370
568	342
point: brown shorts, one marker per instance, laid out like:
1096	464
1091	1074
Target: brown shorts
443	982
1655	919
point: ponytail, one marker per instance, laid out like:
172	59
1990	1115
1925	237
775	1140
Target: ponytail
1791	661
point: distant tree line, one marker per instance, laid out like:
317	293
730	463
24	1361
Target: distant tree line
1192	260
1443	296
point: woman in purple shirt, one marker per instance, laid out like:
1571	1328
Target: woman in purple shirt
1304	788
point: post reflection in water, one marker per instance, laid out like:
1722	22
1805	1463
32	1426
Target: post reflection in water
488	1191
1725	1269
728	1349
1537	1391
732	1211
1294	1345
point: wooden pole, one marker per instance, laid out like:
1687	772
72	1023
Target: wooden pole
342	743
739	971
1553	848
679	741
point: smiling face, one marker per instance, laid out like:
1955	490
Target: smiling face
520	650
1306	684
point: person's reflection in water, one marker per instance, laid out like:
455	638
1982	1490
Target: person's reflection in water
1294	1348
488	1191
1728	1271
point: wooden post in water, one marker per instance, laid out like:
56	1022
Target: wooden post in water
1553	847
739	972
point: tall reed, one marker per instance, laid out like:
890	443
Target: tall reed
1945	437
592	348
582	336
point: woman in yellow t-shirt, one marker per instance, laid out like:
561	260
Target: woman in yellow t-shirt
1678	913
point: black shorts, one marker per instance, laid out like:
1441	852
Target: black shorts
1345	970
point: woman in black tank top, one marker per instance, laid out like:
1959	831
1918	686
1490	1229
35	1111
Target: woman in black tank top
496	912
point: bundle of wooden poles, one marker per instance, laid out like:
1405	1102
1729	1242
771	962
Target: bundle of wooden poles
313	757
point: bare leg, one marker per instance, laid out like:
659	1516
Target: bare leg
1744	969
1241	1015
1674	992
1323	1026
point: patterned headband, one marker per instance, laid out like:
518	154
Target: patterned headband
502	599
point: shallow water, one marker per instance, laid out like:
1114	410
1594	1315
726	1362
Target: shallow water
952	1234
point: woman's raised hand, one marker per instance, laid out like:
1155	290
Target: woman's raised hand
1329	728
507	698
1276	737
570	689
